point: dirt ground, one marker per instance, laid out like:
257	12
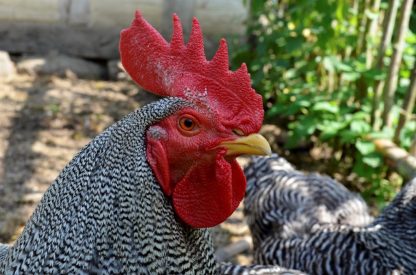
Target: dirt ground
44	122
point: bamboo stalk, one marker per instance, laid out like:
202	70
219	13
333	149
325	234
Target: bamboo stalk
362	29
388	26
408	105
392	79
372	26
366	44
412	149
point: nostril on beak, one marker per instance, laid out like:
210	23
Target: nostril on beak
238	132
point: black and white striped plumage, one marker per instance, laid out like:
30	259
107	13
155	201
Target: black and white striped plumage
302	222
281	199
106	214
3	251
230	269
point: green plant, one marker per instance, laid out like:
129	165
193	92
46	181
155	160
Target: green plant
315	72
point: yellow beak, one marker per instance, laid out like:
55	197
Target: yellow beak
254	144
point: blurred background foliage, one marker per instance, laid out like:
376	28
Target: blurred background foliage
324	68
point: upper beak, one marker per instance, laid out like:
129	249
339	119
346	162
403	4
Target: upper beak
254	144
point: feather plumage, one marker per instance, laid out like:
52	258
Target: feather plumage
304	221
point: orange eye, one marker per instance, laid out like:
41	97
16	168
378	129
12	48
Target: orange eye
188	124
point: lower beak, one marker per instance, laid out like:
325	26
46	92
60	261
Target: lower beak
254	144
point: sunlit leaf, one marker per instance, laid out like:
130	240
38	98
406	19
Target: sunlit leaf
350	76
330	107
373	160
365	147
360	126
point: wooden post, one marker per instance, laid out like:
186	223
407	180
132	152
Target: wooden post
397	158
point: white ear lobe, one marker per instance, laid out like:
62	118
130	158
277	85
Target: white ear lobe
157	132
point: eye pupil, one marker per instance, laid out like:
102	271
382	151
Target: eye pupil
188	123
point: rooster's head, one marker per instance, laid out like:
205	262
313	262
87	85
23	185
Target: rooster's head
192	152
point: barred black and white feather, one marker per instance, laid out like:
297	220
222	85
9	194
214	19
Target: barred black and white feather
106	214
230	269
281	199
3	251
289	234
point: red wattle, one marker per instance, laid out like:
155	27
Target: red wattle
208	195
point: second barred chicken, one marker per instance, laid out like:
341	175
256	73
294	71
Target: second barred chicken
312	223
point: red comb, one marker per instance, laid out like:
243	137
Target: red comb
170	69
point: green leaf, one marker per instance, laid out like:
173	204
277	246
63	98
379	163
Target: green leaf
348	136
385	133
329	107
363	170
257	6
330	124
328	134
296	106
361	116
329	129
306	126
371	15
293	140
373	160
343	67
276	110
360	127
365	147
328	64
350	76
374	74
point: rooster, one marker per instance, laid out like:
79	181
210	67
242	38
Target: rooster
312	223
139	197
281	198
